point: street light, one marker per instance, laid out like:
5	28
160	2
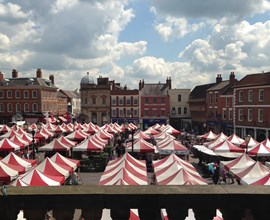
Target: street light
127	133
33	143
204	126
247	139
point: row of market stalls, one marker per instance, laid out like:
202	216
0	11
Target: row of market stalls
52	171
232	146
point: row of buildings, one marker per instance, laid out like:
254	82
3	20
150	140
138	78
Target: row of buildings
231	106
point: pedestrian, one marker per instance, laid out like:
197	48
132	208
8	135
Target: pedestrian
216	174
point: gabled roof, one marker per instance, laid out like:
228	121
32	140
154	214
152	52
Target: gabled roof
30	81
199	92
257	79
159	89
219	86
70	94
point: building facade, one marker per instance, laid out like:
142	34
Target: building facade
252	106
155	103
95	100
125	106
219	105
179	109
27	98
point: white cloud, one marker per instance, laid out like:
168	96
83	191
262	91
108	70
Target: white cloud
61	5
4	42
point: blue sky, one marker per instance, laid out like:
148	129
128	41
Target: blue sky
128	40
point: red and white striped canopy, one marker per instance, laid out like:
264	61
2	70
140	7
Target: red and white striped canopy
125	170
252	173
59	159
36	178
140	145
151	131
90	144
8	134
19	141
55	145
241	162
236	140
259	150
175	171
208	136
49	167
77	135
8	145
104	134
14	159
170	130
172	146
226	146
142	135
7	173
67	142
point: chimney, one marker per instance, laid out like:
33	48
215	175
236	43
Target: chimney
1	76
125	87
14	73
140	85
39	73
51	77
169	82
218	79
232	78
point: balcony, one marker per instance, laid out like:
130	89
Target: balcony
234	201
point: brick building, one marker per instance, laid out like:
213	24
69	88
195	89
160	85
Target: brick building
219	105
252	106
26	98
155	103
125	106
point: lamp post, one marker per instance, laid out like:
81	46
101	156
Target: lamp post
247	141
33	143
204	126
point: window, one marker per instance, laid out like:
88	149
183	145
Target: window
224	113
250	95
135	101
173	111
120	101
128	113
154	100
179	111
34	94
9	107
35	107
93	100
26	107
26	94
260	115
230	114
113	101
128	102
135	112
216	97
227	102
250	115
261	95
1	107
9	94
210	98
1	94
240	96
146	112
121	113
185	110
240	114
163	100
179	98
103	100
18	107
113	113
17	94
163	113
146	100
154	112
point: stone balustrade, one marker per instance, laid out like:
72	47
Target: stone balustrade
234	201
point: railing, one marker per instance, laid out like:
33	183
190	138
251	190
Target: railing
235	202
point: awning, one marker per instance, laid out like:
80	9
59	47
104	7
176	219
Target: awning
62	118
